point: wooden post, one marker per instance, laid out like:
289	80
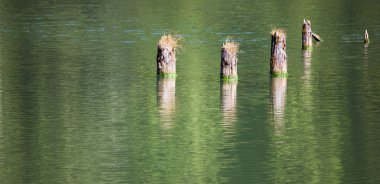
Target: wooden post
228	64
166	56
307	34
166	99
278	94
228	103
366	37
279	59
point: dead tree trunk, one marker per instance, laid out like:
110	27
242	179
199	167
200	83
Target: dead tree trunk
166	56
228	66
279	59
366	37
307	34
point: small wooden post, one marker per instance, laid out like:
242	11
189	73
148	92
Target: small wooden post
307	34
228	64
166	99
279	59
166	56
366	38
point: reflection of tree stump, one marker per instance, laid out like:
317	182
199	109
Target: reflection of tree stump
279	59
306	64
278	94
166	99
228	103
166	56
228	66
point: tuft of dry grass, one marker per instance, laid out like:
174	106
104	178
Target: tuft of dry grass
277	31
169	41
230	45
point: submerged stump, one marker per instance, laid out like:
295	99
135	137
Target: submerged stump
166	56
307	34
366	37
279	59
228	63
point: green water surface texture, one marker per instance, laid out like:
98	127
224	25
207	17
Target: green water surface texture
80	101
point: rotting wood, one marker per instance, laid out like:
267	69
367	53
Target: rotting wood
279	59
166	56
307	34
228	64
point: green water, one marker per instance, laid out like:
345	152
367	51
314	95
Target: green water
80	102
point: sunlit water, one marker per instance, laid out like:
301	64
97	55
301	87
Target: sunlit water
80	102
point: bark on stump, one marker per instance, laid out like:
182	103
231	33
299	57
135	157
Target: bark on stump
279	59
166	56
228	66
307	34
366	37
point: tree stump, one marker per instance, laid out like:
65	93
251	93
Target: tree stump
307	34
279	59
166	99
166	56
366	37
228	66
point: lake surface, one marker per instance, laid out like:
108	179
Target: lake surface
80	101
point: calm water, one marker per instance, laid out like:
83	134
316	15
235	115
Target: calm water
80	103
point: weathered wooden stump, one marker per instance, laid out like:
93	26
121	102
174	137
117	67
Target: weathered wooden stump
278	94
279	59
166	56
228	103
166	99
307	34
228	66
366	37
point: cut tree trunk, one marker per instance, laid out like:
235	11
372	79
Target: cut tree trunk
166	56
228	63
279	59
307	34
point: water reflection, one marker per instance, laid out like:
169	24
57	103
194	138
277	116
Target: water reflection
306	54
166	100
278	94
228	104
